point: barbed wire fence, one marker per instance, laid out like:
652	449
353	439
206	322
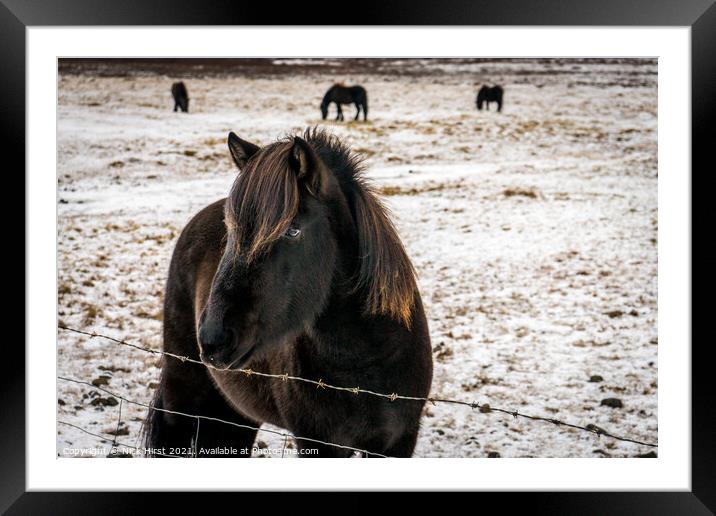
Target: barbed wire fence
484	408
198	418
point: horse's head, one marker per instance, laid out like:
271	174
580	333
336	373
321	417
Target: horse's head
277	268
297	238
481	97
327	100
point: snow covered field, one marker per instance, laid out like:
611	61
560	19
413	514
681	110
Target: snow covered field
533	231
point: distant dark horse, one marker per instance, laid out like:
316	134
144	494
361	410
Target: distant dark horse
300	272
345	95
181	97
487	95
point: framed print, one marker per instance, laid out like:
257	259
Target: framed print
434	237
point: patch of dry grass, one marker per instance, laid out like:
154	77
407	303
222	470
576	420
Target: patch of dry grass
521	192
390	190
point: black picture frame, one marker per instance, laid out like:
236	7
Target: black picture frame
699	15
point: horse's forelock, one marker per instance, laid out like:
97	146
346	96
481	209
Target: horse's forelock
263	201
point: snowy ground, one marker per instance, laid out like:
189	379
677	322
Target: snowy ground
533	232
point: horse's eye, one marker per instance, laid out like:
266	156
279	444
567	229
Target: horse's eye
292	232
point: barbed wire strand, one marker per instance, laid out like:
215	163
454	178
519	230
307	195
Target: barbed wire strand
483	407
104	438
216	419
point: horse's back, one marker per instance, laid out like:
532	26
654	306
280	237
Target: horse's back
179	89
358	92
347	94
491	90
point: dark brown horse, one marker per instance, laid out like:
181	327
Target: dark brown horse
490	94
341	94
301	272
181	97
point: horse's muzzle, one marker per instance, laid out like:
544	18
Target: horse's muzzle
216	343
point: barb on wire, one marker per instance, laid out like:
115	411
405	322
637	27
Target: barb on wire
218	420
484	408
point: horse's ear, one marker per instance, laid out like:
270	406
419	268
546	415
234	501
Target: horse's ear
308	167
241	150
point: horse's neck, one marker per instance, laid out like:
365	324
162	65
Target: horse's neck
344	328
345	347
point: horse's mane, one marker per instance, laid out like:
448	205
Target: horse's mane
385	276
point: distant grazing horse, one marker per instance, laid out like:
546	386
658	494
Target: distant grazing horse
181	97
487	95
345	95
300	272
